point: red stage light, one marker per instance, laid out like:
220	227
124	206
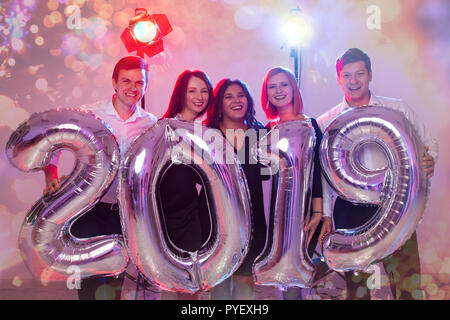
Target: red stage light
145	32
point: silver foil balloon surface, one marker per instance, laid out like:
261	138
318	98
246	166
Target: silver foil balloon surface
175	141
399	186
48	249
284	262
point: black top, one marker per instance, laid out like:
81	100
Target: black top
316	191
252	171
185	210
317	174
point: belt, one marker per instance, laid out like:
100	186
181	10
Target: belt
110	206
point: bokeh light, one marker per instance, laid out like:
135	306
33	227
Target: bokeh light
297	30
41	84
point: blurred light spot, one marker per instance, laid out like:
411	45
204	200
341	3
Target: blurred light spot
17	281
48	22
17	44
52	4
11	62
297	30
41	84
432	289
39	41
55	52
418	294
249	17
56	17
360	292
34	28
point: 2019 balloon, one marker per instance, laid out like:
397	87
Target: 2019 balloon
285	262
174	141
47	246
400	187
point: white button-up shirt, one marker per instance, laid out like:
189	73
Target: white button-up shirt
125	131
373	157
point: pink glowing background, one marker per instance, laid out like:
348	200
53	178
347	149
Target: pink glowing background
45	63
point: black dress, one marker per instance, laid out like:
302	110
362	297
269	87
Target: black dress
185	210
252	171
316	188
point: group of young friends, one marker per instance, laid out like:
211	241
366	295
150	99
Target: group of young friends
229	107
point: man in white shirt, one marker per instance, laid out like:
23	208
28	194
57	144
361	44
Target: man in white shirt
127	120
354	74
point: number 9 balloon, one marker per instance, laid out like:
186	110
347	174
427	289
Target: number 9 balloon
400	188
47	247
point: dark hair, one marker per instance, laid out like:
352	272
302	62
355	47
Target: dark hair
213	117
178	98
297	102
129	63
352	55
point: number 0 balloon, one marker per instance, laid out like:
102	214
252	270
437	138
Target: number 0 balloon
175	141
400	188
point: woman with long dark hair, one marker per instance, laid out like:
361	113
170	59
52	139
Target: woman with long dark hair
184	208
233	113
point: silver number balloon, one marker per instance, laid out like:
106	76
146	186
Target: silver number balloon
176	141
47	246
285	262
400	187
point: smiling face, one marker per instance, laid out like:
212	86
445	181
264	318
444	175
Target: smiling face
354	79
234	103
280	91
130	87
197	96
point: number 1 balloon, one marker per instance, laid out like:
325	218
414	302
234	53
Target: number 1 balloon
400	188
172	141
285	262
47	246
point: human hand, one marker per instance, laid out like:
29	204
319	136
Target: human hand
312	225
54	185
428	164
326	228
